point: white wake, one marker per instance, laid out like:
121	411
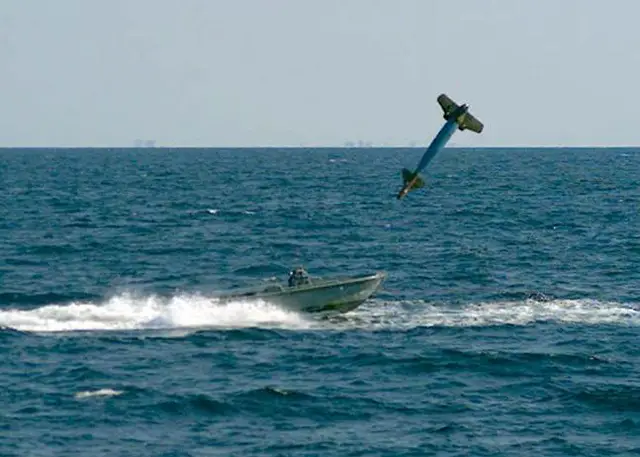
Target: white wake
130	312
410	314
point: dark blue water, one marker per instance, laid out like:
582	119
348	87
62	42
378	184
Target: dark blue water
508	325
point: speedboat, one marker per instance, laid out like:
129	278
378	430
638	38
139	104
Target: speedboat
311	295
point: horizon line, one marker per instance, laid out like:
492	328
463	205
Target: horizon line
320	147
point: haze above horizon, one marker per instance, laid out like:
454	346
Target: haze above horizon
287	73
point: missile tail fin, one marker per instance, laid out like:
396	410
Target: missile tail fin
448	106
469	122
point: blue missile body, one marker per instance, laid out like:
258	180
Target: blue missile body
457	117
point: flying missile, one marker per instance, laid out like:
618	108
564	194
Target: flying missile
456	117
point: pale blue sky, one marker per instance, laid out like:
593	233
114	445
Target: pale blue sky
317	72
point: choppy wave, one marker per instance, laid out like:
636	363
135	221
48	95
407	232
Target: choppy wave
98	393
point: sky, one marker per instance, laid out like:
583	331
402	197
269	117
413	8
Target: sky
233	73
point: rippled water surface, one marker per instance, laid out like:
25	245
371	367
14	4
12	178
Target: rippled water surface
508	324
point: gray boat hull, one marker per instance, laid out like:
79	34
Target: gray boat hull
332	295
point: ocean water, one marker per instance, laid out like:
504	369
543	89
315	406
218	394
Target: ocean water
508	325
